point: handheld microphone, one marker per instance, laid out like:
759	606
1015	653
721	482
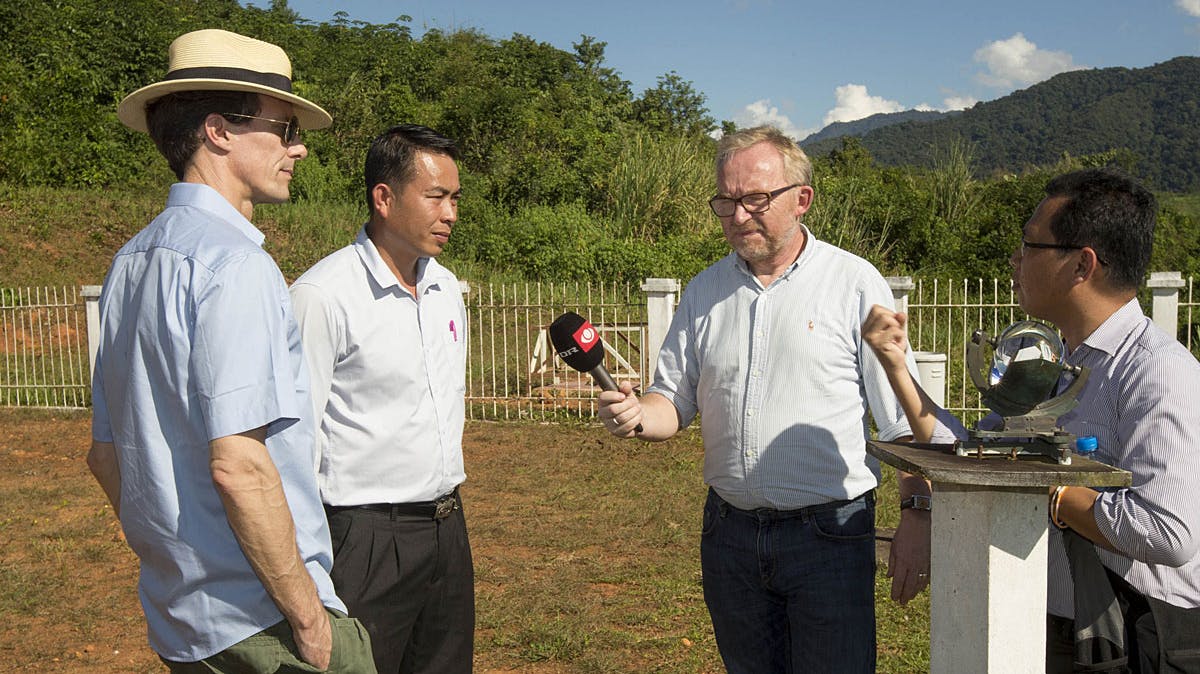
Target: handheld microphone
578	343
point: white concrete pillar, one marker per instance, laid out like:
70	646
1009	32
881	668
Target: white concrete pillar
901	287
91	304
661	295
1165	287
988	589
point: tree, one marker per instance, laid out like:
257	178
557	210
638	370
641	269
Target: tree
675	107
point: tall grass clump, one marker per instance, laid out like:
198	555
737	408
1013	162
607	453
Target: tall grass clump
840	216
658	186
956	196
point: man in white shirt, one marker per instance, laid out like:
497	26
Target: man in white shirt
766	347
384	331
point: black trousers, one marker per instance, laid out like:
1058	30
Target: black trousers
409	579
1160	638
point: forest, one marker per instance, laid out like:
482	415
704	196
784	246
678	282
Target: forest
1151	115
567	172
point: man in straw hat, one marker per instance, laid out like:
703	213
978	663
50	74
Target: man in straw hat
202	434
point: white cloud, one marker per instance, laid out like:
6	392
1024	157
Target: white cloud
853	102
1017	61
761	112
1191	7
958	102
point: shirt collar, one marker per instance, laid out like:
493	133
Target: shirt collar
806	254
429	272
1116	328
199	195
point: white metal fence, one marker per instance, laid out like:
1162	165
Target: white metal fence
43	348
943	314
512	372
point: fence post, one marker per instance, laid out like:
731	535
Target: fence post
91	304
931	366
901	286
1165	287
660	308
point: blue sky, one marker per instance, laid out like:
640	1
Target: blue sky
803	65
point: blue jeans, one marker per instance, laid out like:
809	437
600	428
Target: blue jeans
791	590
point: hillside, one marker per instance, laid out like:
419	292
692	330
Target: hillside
1152	113
861	127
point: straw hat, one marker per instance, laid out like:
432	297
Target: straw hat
217	60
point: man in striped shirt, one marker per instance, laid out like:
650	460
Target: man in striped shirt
766	348
1083	256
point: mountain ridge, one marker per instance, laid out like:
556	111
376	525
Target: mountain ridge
1150	116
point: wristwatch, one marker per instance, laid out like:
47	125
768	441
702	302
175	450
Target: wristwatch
917	502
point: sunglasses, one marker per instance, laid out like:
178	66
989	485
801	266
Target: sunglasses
291	128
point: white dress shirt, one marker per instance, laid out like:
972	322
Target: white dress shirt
782	379
388	377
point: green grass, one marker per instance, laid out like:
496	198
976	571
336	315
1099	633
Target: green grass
586	554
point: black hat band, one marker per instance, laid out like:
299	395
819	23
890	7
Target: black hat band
272	80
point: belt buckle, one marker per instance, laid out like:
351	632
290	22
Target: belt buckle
444	507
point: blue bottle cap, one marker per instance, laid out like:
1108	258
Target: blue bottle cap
1086	444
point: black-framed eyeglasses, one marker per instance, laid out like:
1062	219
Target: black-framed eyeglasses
1054	246
291	128
755	202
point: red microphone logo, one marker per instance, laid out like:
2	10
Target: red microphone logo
586	336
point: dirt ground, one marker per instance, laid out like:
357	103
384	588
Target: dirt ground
61	540
585	548
68	581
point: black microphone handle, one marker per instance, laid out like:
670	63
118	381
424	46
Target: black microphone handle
605	381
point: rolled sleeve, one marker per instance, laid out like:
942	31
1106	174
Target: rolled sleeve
885	409
1156	519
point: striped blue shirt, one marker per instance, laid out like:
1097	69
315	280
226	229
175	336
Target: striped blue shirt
781	378
1142	403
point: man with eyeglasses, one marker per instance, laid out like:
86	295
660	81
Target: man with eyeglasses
1083	256
1124	574
766	347
202	421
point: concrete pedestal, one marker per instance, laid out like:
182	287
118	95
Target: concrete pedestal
989	548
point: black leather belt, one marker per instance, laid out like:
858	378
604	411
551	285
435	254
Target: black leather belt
438	509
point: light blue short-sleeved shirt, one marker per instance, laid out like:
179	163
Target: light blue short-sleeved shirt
782	379
198	342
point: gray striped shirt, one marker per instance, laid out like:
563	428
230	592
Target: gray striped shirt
781	378
1142	402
